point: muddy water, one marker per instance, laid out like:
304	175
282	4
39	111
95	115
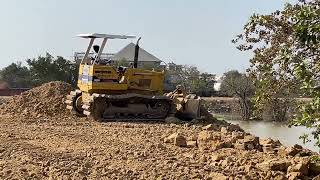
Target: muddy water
275	130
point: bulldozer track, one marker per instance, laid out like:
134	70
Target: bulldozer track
71	103
128	107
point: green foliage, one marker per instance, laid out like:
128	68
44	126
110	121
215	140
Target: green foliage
268	37
190	78
307	34
40	70
286	57
205	85
236	84
16	75
240	86
46	69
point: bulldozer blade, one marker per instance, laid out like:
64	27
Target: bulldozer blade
191	109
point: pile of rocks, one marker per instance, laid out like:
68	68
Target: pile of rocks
45	100
231	147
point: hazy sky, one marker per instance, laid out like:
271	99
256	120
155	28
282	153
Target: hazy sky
184	31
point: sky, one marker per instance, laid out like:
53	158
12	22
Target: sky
189	32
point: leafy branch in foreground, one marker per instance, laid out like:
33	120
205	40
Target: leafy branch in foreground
286	60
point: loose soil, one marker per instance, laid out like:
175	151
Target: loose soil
56	148
55	145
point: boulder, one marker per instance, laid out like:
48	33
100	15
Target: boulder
215	145
218	176
249	142
203	140
314	168
291	151
180	141
267	142
297	146
210	127
251	139
240	146
205	136
191	144
274	165
237	135
235	127
300	164
192	138
279	176
170	138
293	175
301	168
217	157
224	130
268	145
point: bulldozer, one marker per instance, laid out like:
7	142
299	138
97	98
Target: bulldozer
109	93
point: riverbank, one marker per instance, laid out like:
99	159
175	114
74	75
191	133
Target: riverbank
289	136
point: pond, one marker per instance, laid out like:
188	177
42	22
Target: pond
276	130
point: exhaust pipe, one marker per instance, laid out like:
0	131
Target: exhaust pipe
136	54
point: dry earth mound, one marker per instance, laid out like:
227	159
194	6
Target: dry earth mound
45	100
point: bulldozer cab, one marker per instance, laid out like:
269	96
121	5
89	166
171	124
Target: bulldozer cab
96	59
98	75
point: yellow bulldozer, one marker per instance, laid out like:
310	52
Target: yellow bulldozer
108	93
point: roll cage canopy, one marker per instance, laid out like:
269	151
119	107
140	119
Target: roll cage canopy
105	37
108	36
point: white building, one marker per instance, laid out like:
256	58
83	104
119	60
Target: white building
217	85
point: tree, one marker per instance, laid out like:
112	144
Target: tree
190	78
47	68
267	36
286	56
16	75
205	85
40	70
307	36
240	86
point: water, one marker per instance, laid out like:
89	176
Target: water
276	130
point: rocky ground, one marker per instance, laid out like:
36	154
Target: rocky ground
60	146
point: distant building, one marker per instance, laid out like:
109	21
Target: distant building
217	85
145	59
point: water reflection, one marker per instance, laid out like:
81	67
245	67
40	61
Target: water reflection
275	130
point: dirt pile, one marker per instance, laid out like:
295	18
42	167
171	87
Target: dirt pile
45	100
